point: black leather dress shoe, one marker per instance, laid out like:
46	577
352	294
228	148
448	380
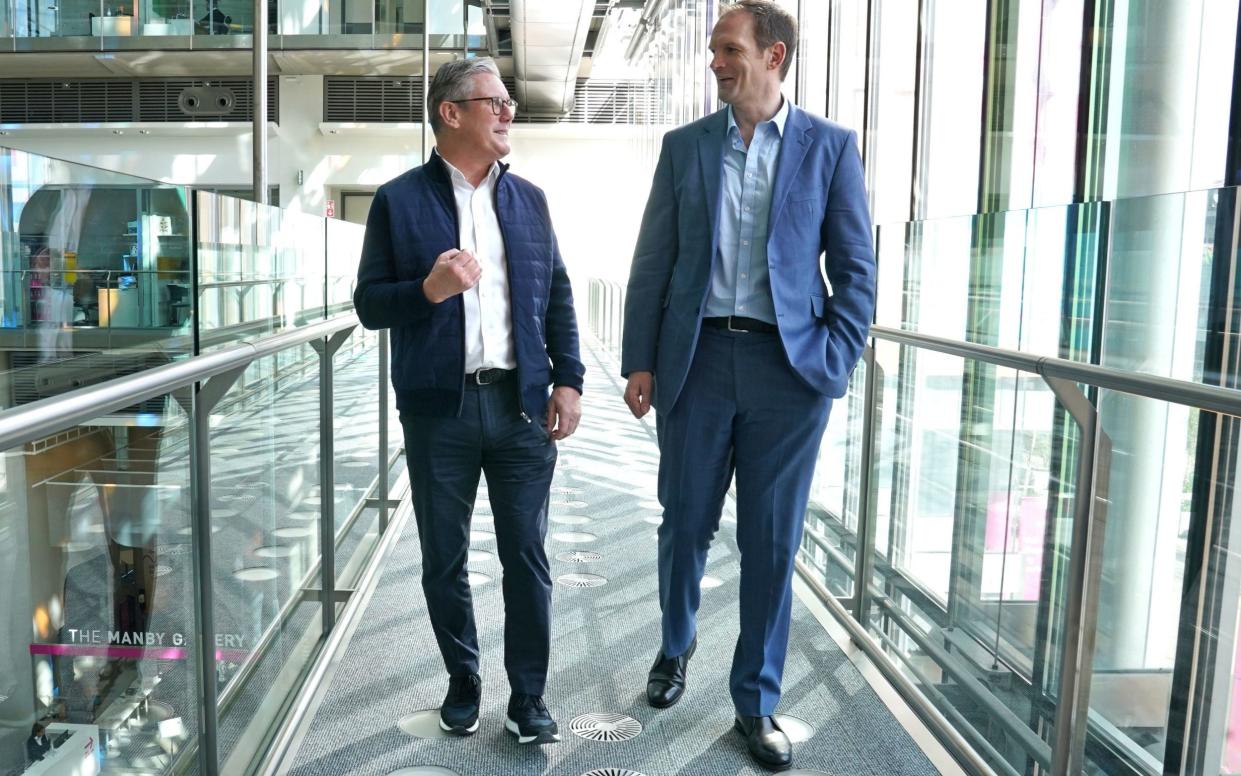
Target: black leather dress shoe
665	684
766	741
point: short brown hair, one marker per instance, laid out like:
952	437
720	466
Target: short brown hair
771	23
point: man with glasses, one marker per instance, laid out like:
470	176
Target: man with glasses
461	263
731	332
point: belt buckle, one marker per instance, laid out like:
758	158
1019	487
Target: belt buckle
730	326
478	377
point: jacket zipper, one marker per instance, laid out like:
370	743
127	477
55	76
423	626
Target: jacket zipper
508	271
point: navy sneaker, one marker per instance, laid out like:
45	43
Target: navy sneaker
459	714
529	720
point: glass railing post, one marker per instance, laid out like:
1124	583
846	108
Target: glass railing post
205	396
326	348
864	562
1084	575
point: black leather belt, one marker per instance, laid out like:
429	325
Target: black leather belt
737	323
488	376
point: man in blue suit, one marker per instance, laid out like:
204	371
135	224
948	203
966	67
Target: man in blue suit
733	335
460	262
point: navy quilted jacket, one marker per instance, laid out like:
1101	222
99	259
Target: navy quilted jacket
413	219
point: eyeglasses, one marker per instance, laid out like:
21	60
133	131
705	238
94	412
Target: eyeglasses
497	103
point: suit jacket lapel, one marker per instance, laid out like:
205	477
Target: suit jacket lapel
793	149
711	160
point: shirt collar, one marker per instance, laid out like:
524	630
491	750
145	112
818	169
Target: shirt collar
459	177
781	116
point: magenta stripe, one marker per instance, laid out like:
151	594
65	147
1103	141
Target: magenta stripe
129	653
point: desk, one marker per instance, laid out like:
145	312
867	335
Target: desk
75	757
169	27
112	26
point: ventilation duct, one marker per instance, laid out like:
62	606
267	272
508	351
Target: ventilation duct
549	37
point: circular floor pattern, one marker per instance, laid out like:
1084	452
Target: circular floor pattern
303	515
653	520
311	501
422	724
570	519
162	571
797	729
479	535
581	580
225	512
425	770
275	551
612	772
478	578
480	556
563	491
186	531
357	464
605	727
293	532
709	582
579	556
570	504
574	537
256	574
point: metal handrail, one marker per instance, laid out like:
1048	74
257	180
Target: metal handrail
45	417
1198	395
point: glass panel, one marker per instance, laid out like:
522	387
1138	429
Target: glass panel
261	269
1158	296
99	631
952	99
890	144
356	414
1179	57
95	276
265	539
829	542
1149	490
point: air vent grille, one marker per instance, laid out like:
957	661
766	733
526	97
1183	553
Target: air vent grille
31	101
377	99
393	100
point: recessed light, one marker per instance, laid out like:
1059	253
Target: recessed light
144	132
118	131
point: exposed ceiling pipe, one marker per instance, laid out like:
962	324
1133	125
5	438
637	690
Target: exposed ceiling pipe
549	37
642	35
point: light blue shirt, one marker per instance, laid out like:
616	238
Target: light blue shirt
740	282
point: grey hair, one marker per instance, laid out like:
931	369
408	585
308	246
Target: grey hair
453	81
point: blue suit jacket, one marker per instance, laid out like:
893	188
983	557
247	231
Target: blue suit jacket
818	209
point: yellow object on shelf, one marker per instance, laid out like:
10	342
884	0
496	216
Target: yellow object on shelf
71	263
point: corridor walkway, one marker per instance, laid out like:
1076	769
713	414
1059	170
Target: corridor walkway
606	623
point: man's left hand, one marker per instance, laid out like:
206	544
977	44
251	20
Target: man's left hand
563	412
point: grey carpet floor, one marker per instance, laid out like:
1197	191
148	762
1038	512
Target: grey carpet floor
604	641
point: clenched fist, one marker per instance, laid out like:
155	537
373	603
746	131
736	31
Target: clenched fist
454	272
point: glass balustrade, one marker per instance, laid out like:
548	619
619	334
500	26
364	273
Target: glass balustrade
111	619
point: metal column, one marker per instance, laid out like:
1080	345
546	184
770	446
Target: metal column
259	47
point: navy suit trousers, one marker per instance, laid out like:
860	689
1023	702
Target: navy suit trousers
445	458
743	410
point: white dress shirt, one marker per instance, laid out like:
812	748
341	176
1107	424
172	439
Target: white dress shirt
488	316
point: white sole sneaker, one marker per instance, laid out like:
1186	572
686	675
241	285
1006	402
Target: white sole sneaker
544	737
458	731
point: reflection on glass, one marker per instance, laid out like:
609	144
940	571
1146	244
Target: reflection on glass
97	519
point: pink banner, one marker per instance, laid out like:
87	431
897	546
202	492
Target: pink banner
129	653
